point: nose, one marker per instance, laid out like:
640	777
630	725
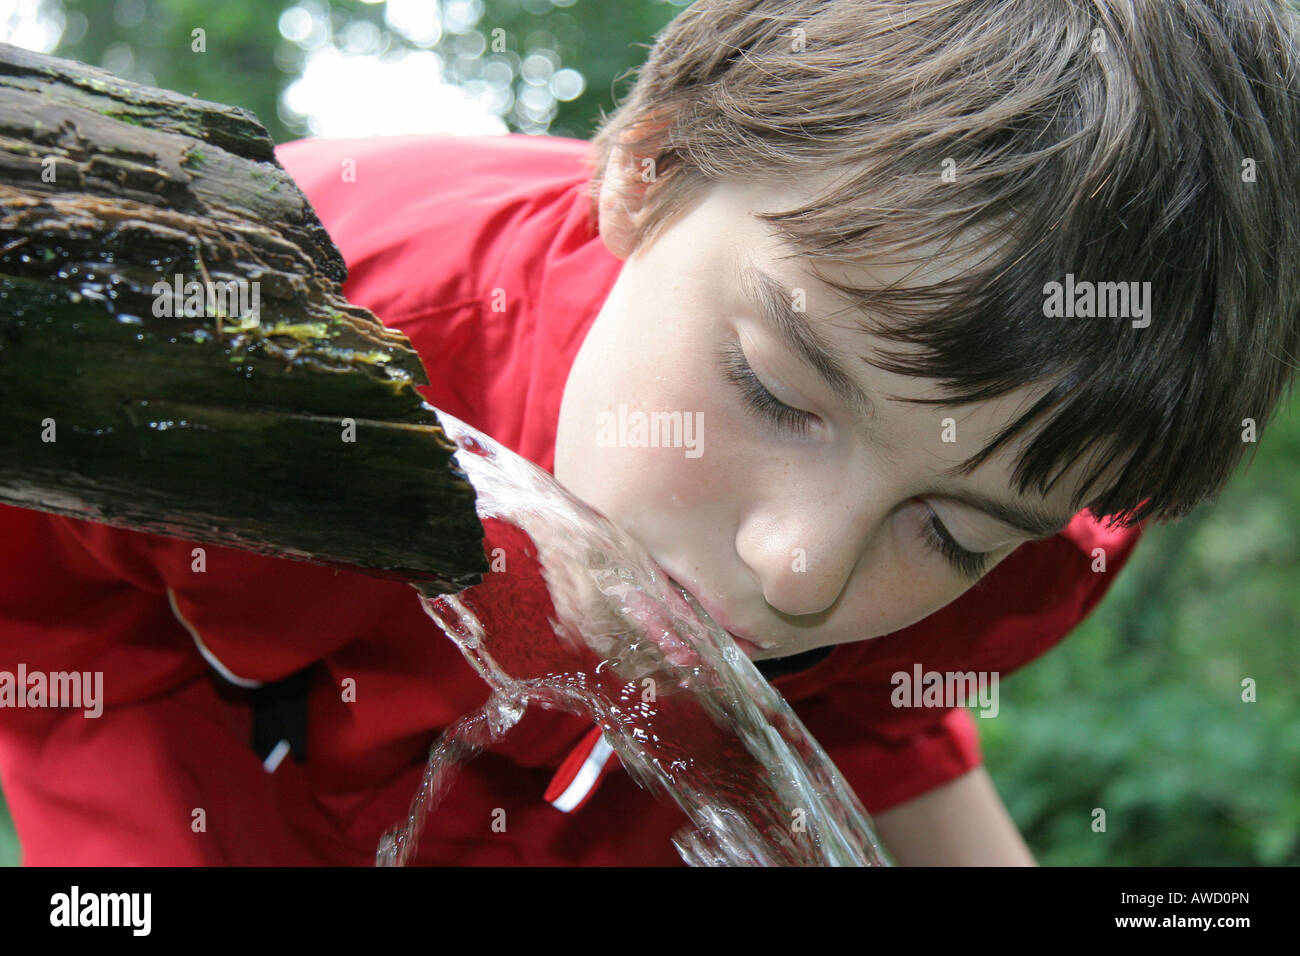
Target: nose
805	544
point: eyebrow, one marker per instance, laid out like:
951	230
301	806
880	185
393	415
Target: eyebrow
795	329
802	337
1025	519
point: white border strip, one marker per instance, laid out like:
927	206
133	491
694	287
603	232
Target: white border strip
272	761
585	779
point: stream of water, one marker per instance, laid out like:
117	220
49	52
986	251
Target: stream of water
616	641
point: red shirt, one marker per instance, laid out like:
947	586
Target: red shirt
430	227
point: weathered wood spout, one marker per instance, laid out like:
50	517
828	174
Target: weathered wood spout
176	354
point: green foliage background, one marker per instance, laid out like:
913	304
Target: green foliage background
1139	713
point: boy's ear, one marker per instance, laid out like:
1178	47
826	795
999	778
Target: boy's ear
626	180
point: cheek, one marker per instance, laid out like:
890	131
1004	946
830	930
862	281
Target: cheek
900	582
915	586
665	494
908	593
639	487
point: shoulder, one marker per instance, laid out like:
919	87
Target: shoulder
337	172
1088	534
424	222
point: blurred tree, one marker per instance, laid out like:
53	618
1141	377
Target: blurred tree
153	42
1173	707
539	65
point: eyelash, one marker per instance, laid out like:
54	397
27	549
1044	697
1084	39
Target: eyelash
971	565
758	399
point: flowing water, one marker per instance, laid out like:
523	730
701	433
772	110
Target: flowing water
581	619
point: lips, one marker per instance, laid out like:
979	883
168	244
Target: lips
749	650
743	639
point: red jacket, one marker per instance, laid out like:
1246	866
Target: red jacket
167	775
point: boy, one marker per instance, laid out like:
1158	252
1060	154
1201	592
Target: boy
945	283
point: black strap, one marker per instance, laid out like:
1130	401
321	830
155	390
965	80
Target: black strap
780	666
280	713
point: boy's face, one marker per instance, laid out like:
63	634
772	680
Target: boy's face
796	536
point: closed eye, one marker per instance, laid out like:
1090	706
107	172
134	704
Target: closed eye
971	565
758	399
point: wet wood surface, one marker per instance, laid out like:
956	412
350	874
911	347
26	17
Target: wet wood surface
176	354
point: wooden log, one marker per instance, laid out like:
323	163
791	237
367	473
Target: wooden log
176	354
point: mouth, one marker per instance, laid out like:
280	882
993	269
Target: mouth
749	647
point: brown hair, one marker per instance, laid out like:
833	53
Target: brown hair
1110	139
